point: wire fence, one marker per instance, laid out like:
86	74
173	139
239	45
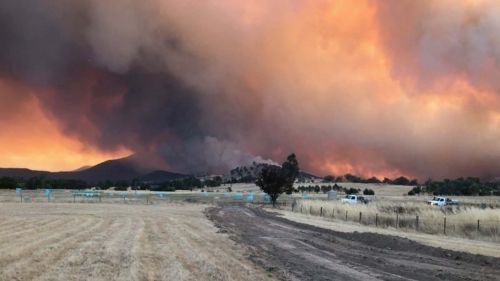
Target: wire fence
446	225
133	197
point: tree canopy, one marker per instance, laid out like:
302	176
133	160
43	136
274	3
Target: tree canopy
290	169
275	180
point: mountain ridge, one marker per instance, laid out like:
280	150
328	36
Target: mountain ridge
122	169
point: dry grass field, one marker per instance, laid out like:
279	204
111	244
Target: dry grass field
41	241
461	221
459	244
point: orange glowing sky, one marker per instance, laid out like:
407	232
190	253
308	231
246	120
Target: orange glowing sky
369	87
30	139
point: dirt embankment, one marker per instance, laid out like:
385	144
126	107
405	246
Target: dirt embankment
297	251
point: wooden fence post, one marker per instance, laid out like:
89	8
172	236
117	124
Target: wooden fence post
321	212
444	226
416	226
397	220
477	225
376	220
333	212
346	215
360	214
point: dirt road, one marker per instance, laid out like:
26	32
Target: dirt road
117	242
296	251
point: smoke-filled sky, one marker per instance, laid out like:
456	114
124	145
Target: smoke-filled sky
371	87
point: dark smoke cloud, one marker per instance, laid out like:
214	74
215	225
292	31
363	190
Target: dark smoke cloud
372	87
112	68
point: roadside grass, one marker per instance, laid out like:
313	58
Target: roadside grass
461	244
460	221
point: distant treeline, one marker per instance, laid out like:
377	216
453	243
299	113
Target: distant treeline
471	186
355	179
336	187
41	182
187	183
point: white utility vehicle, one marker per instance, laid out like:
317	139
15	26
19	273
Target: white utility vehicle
442	201
354	199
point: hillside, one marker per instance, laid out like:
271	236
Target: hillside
123	169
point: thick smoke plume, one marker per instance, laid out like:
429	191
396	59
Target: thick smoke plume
367	87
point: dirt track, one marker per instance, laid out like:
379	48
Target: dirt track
296	251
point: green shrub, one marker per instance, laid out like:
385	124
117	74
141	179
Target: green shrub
368	191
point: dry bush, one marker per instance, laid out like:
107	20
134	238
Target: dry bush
460	220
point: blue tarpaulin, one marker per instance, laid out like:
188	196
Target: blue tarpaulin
238	196
250	197
161	194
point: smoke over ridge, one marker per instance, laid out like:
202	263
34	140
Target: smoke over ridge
371	87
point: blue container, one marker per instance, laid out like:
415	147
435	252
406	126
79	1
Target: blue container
238	196
250	197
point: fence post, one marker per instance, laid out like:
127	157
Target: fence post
346	215
360	214
333	212
416	224
397	220
376	220
477	225
444	226
321	212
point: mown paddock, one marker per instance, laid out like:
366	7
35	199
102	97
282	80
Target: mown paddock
66	241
